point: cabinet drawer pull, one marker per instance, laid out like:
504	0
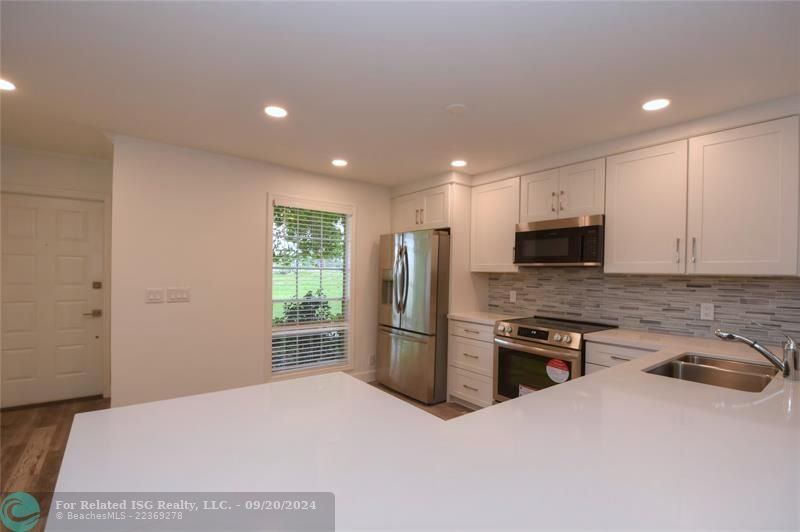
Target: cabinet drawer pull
561	201
472	331
678	250
694	249
416	217
553	202
471	356
471	388
616	357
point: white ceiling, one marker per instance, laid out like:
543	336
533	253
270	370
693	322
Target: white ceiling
370	81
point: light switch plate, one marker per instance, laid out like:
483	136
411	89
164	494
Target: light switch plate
707	311
179	295
512	296
154	295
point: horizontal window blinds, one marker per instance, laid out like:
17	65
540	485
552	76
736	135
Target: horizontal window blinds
310	287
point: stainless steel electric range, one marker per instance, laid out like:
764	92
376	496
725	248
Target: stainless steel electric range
535	353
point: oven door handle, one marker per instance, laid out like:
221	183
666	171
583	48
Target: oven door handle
543	351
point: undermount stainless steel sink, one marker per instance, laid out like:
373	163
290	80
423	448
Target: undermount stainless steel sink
744	376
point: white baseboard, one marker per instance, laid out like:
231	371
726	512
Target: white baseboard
366	376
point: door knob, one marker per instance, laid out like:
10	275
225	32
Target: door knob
95	313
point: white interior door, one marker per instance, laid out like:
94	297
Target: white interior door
52	251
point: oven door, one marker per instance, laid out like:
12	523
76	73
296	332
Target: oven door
521	368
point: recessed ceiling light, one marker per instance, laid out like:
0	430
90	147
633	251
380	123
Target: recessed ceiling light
339	162
458	163
6	85
456	108
655	105
275	112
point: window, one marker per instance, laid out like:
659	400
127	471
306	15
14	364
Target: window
310	286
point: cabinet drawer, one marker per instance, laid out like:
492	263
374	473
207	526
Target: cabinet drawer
484	333
473	355
593	368
470	387
611	355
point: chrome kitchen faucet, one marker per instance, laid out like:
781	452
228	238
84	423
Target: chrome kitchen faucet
789	366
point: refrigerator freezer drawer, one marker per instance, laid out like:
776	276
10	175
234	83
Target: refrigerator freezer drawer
407	363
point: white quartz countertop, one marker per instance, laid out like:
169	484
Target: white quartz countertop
484	318
617	449
658	341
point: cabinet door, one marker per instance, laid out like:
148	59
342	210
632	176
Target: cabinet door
495	211
539	196
405	213
582	189
743	200
435	208
646	210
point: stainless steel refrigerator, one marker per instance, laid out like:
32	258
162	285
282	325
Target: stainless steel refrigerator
412	318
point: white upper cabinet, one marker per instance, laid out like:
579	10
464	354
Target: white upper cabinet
743	200
646	210
539	196
435	208
494	216
575	190
582	189
428	209
405	213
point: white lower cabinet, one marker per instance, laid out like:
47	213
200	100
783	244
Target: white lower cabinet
594	368
470	358
471	387
603	356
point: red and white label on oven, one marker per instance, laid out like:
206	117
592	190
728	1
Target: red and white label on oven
558	371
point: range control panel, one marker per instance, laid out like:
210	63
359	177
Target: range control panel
549	336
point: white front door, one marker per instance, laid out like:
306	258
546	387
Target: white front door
52	346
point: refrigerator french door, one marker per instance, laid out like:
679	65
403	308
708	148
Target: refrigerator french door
412	318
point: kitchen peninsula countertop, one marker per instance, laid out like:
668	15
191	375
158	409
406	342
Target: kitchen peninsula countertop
616	449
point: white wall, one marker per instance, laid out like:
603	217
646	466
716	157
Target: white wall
20	168
184	217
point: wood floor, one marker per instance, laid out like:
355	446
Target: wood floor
32	443
442	410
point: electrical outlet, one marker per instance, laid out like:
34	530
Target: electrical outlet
179	295
512	296
154	295
707	311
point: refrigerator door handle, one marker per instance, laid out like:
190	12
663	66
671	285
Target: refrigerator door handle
405	277
396	281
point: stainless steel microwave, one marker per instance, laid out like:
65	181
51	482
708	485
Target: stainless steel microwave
566	242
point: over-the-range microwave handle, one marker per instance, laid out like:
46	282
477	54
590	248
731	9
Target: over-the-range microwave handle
549	352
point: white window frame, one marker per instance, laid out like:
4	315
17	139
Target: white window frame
317	205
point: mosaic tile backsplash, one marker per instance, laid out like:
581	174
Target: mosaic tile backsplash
664	304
